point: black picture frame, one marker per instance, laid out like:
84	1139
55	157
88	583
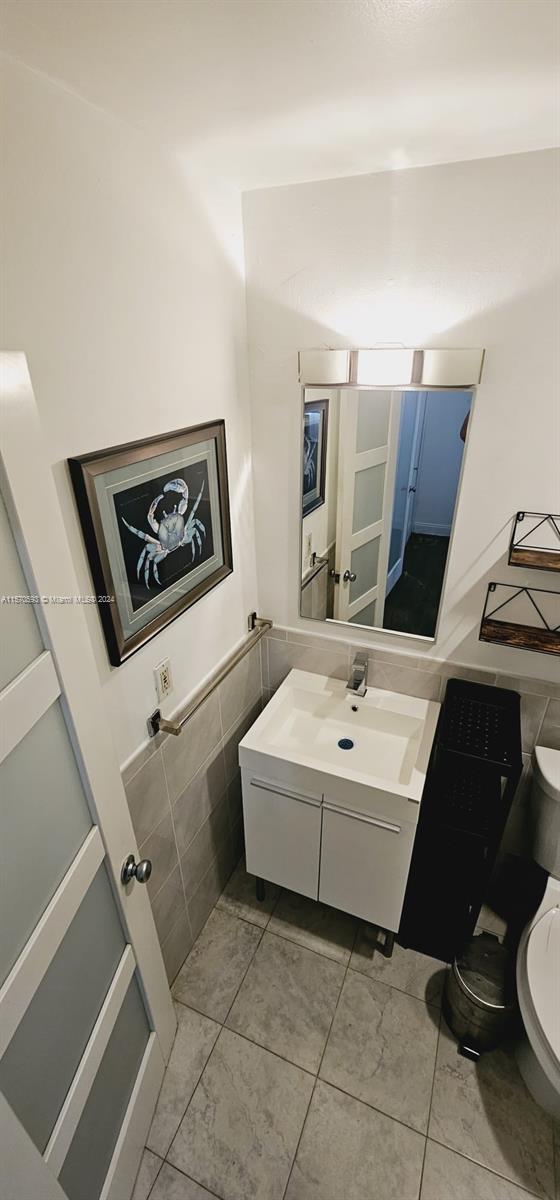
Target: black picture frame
156	525
314	464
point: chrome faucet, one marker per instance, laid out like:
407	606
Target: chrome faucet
357	682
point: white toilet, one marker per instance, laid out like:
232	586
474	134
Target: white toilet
538	958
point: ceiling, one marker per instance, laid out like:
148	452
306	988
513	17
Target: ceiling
269	92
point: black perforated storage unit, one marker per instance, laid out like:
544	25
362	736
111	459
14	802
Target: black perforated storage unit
473	773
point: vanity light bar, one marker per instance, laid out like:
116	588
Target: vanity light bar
392	366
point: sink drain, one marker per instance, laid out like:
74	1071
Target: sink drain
346	744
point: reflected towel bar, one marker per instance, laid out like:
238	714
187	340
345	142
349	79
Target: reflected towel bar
158	724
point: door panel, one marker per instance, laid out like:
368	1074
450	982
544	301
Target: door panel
38	1067
369	487
74	1028
364	865
44	819
368	436
20	638
88	1159
282	835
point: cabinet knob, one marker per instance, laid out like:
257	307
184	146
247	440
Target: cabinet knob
349	577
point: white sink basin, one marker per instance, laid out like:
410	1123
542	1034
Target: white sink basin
391	735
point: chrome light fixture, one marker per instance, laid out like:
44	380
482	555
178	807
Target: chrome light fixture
391	366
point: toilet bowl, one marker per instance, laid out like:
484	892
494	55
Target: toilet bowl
538	957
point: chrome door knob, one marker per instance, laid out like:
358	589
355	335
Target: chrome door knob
349	577
132	870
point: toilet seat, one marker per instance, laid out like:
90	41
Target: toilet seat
542	974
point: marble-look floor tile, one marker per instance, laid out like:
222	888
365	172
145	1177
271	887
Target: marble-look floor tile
193	1044
484	1111
315	926
407	970
241	1129
210	978
447	1173
147	1171
382	1049
287	1000
239	898
350	1152
173	1185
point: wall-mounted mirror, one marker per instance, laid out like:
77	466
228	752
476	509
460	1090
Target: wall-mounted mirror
380	476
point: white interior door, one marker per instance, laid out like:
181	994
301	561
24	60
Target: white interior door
86	1021
413	410
368	438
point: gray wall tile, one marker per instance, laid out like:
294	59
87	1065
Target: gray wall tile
213	838
183	755
202	794
142	755
538	687
532	713
238	841
168	904
202	902
549	734
404	679
234	736
283	656
387	656
146	793
234	800
241	688
176	946
161	849
316	641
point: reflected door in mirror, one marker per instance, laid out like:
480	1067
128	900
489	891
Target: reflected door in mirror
376	552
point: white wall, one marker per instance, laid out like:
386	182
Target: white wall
123	285
459	255
439	466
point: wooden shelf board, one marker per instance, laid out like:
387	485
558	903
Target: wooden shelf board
524	637
542	560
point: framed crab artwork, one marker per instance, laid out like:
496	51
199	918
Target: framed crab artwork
156	526
315	419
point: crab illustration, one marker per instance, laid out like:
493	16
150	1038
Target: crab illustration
173	531
308	464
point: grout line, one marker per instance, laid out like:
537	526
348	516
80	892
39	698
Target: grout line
245	973
162	1160
296	1151
491	1171
199	1077
216	1195
430	1104
395	988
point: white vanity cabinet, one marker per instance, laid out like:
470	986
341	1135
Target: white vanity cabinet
364	864
332	785
282	833
303	840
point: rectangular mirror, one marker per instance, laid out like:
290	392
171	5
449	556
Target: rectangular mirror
380	476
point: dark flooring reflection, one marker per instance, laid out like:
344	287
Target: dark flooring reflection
412	605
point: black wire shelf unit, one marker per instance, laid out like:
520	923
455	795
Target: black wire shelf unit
474	770
525	617
535	541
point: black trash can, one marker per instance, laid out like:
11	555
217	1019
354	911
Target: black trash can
479	998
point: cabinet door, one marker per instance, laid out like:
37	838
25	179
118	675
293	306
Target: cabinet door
364	865
282	834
